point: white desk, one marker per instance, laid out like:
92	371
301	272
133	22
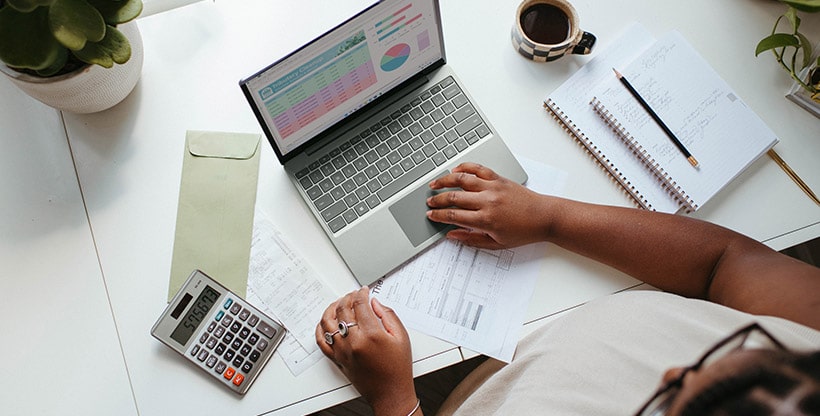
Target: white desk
128	162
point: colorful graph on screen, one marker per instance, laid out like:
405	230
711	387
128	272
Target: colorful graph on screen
395	22
395	57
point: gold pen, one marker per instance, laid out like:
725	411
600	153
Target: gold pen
792	174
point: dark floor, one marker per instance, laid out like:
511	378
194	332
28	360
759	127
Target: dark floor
434	387
808	252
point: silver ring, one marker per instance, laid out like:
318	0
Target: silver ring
344	328
329	336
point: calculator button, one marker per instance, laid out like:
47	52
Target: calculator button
244	314
203	338
236	327
262	345
253	320
202	355
228	337
220	330
227	320
236	344
253	338
228	303
195	350
229	373
246	349
219	315
220	367
238	361
211	343
220	348
266	329
236	308
238	379
211	362
247	367
244	333
211	326
254	356
229	355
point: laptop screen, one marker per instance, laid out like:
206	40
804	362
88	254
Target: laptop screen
329	79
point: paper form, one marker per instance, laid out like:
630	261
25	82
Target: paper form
283	285
470	297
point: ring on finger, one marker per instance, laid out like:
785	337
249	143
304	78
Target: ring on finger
344	328
329	337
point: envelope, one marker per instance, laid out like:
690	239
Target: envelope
217	194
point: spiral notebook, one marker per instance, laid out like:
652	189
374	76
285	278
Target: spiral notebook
711	120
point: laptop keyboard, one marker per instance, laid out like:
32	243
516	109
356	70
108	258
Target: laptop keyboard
391	154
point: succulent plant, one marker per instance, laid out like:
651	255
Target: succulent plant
51	37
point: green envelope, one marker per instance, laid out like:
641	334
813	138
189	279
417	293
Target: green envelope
217	195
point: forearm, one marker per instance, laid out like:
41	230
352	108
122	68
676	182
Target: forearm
672	252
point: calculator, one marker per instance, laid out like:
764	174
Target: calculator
219	332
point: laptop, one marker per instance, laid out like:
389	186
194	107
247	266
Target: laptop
362	119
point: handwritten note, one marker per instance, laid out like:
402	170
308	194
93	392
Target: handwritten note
701	109
284	286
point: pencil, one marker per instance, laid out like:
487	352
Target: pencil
657	119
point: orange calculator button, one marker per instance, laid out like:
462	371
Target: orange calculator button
229	373
238	379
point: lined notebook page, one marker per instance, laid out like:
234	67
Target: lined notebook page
703	111
570	104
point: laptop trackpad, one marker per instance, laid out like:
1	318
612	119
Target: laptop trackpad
411	214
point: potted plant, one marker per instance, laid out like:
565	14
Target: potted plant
793	51
74	55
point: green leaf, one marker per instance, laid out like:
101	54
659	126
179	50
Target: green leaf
811	6
777	40
118	11
75	22
113	48
25	41
55	67
805	46
791	15
28	5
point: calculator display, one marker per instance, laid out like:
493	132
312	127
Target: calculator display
190	322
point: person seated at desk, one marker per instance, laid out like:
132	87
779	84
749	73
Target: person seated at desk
720	290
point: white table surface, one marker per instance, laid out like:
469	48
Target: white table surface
91	218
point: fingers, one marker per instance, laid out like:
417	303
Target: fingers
475	239
392	323
467	176
481	171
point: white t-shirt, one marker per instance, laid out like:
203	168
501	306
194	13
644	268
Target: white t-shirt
608	356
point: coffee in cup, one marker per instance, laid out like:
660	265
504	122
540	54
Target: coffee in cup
545	30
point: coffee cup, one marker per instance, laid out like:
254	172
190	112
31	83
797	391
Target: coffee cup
545	30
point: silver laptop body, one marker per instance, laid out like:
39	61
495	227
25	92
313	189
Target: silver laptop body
362	119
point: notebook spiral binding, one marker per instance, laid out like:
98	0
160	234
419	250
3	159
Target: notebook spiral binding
668	183
592	150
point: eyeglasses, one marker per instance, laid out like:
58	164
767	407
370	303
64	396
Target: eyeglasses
660	402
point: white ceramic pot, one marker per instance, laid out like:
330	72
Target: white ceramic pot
91	88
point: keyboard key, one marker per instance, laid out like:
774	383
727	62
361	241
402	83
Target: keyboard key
350	216
334	210
405	180
361	208
323	202
463	113
336	224
372	201
468	124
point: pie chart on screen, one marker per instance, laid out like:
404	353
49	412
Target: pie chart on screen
395	57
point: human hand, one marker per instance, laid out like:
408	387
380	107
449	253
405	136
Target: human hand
494	212
374	355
